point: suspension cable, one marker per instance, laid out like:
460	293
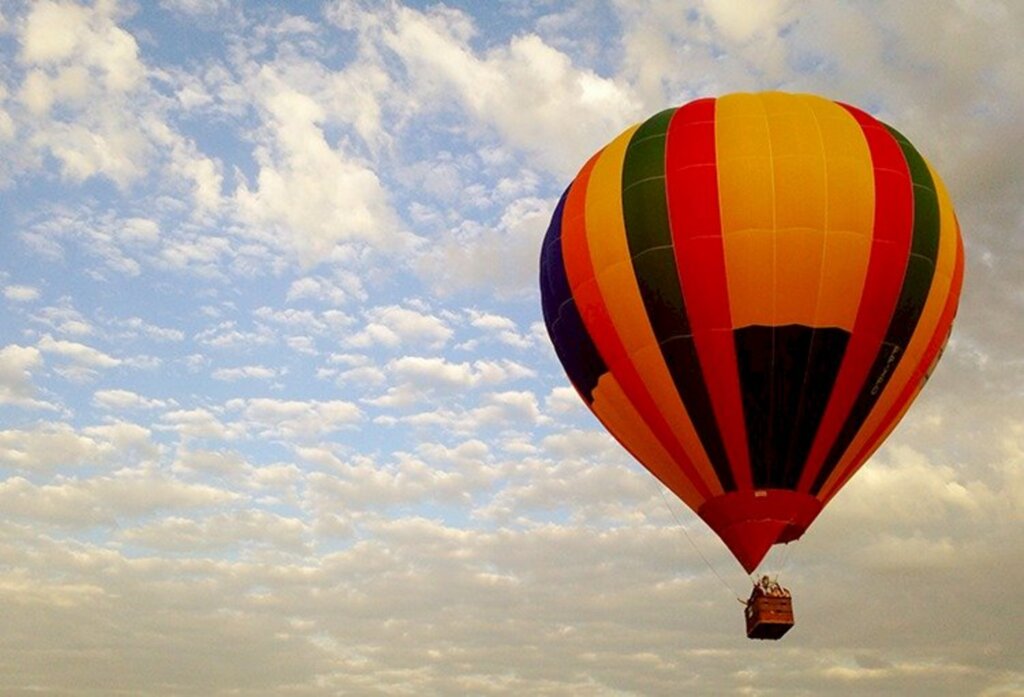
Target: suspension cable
785	558
686	534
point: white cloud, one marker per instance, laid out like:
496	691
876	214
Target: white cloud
902	487
198	423
82	363
79	59
432	372
202	253
505	411
119	400
252	372
440	474
196	7
215	462
103	500
740	21
77	353
526	91
501	258
362	375
135	327
64	319
227	336
303	320
17	364
393	326
564	400
89	104
417	378
47	447
332	291
302	344
293	419
120	244
311	195
512	407
60	34
21	293
222	531
502	328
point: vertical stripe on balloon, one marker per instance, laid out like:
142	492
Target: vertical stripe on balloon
691	180
645	213
892	225
573	346
931	329
917	281
598	321
622	301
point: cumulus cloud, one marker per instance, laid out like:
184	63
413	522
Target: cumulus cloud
227	335
393	326
102	500
365	487
81	363
439	372
16	366
89	103
503	329
196	7
136	327
526	91
563	400
118	400
221	531
21	294
332	291
77	353
56	446
503	411
198	423
311	194
501	257
252	372
418	378
216	462
121	245
298	265
293	419
64	319
75	56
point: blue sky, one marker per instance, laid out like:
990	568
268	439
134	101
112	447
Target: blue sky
278	414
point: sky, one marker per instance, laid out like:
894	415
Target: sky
279	416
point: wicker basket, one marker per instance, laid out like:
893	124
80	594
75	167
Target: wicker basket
769	616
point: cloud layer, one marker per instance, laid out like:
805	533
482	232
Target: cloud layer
279	415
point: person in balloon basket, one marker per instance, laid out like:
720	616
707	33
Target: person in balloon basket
766	586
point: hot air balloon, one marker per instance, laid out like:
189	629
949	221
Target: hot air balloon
748	292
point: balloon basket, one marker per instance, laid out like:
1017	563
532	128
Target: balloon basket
768	617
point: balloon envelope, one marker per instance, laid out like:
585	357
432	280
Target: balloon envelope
748	292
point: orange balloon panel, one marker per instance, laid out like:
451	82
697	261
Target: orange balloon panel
748	291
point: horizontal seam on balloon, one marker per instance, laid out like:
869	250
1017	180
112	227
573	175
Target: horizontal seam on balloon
695	165
675	337
636	141
559	314
651	249
642	181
